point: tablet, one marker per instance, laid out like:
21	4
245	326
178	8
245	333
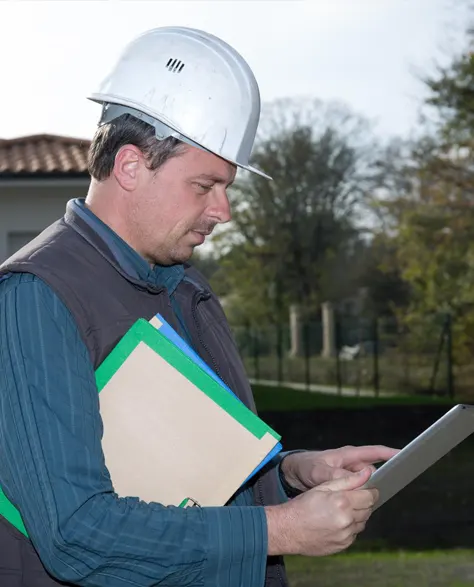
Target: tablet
422	452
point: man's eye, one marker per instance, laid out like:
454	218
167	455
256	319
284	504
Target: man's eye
204	188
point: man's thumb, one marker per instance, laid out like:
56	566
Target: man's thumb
350	481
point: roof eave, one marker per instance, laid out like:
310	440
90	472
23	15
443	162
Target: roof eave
9	176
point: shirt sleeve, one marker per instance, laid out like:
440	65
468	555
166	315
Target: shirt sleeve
52	468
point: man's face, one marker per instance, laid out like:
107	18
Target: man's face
180	204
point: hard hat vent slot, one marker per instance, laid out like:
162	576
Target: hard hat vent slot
174	65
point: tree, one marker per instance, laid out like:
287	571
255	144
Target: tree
289	235
452	96
429	211
381	275
452	100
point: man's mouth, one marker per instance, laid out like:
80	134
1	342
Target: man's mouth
204	231
201	236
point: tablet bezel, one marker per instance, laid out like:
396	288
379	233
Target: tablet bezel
423	452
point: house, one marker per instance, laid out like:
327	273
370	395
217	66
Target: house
38	175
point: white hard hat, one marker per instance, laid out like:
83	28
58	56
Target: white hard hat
190	85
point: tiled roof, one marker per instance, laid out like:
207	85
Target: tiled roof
43	155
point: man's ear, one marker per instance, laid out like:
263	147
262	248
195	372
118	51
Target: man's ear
127	165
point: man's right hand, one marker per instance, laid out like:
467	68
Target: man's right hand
323	520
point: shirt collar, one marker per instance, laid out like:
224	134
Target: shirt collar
129	260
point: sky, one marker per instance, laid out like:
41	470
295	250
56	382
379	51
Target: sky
365	53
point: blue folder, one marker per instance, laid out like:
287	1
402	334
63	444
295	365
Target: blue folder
174	337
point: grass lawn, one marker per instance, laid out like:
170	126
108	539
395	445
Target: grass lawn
281	399
396	371
425	569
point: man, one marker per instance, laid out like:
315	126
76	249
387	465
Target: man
180	113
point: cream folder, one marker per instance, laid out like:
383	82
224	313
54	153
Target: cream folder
171	432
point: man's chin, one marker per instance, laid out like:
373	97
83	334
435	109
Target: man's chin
182	256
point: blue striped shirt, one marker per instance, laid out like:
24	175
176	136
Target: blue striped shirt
52	466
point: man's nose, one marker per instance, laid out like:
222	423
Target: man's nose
221	210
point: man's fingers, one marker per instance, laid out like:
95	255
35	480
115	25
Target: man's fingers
324	473
339	473
359	466
347	482
367	454
363	499
356	529
362	515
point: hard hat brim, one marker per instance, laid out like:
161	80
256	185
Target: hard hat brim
145	114
253	170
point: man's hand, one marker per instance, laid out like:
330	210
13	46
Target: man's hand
322	521
305	470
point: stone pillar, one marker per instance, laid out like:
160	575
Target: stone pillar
296	337
329	330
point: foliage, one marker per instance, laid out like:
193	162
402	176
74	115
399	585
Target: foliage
302	238
429	214
452	96
293	239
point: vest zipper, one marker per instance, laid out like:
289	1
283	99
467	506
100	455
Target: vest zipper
200	296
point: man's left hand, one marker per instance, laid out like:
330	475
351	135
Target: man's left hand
304	470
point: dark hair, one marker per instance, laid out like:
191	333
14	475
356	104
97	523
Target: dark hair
128	130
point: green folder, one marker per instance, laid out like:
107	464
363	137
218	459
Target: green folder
143	332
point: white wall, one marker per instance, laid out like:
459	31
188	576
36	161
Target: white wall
32	207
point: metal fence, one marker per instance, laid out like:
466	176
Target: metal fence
373	356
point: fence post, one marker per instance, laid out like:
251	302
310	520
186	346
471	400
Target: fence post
449	341
338	352
444	333
376	357
256	354
357	359
249	345
279	353
307	355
